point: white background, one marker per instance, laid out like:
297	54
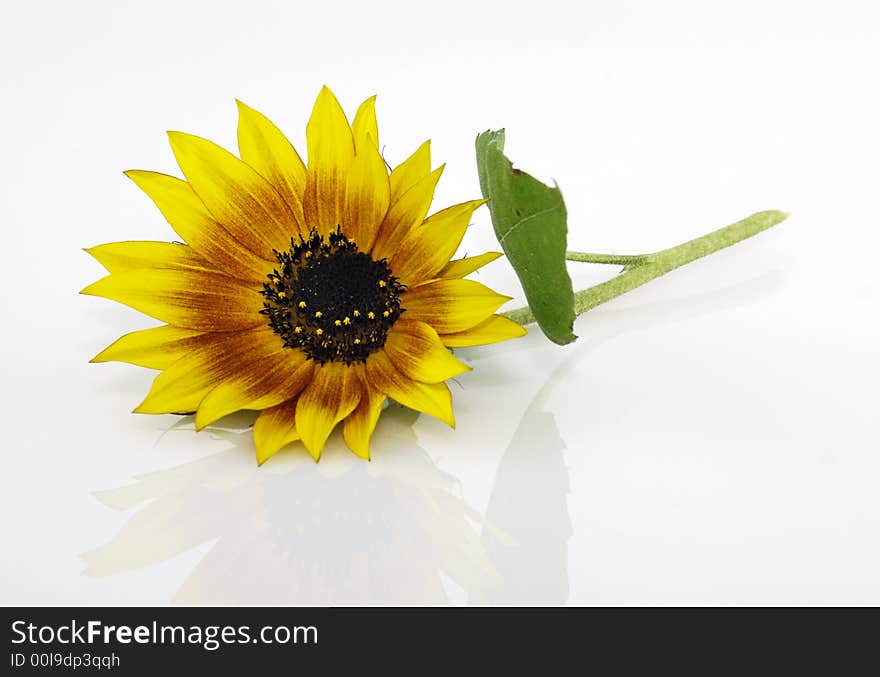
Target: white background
711	438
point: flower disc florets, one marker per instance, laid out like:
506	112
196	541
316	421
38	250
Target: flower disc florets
330	299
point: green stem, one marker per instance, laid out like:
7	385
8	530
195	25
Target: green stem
642	269
612	259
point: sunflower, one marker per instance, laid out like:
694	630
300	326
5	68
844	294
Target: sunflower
310	292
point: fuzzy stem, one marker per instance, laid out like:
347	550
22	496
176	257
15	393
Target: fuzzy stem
611	259
642	269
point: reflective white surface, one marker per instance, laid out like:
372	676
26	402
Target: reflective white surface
711	438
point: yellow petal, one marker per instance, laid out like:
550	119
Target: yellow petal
416	350
430	398
451	306
191	299
263	146
190	219
364	128
493	330
412	170
359	425
366	197
463	267
265	382
331	150
117	257
332	395
405	214
427	248
218	357
155	348
274	429
236	195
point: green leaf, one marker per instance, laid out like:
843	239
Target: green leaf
530	223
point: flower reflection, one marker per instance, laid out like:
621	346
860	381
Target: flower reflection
527	521
297	532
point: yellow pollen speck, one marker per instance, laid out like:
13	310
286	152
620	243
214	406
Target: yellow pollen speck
308	255
338	323
357	342
319	331
382	283
302	304
282	295
319	314
297	330
346	321
386	314
356	313
371	315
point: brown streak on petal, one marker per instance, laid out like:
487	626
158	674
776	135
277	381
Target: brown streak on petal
235	194
451	306
416	350
428	247
192	221
216	358
189	299
265	148
263	382
405	214
434	399
331	396
274	429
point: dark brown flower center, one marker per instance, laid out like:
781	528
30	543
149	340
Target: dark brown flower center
330	300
